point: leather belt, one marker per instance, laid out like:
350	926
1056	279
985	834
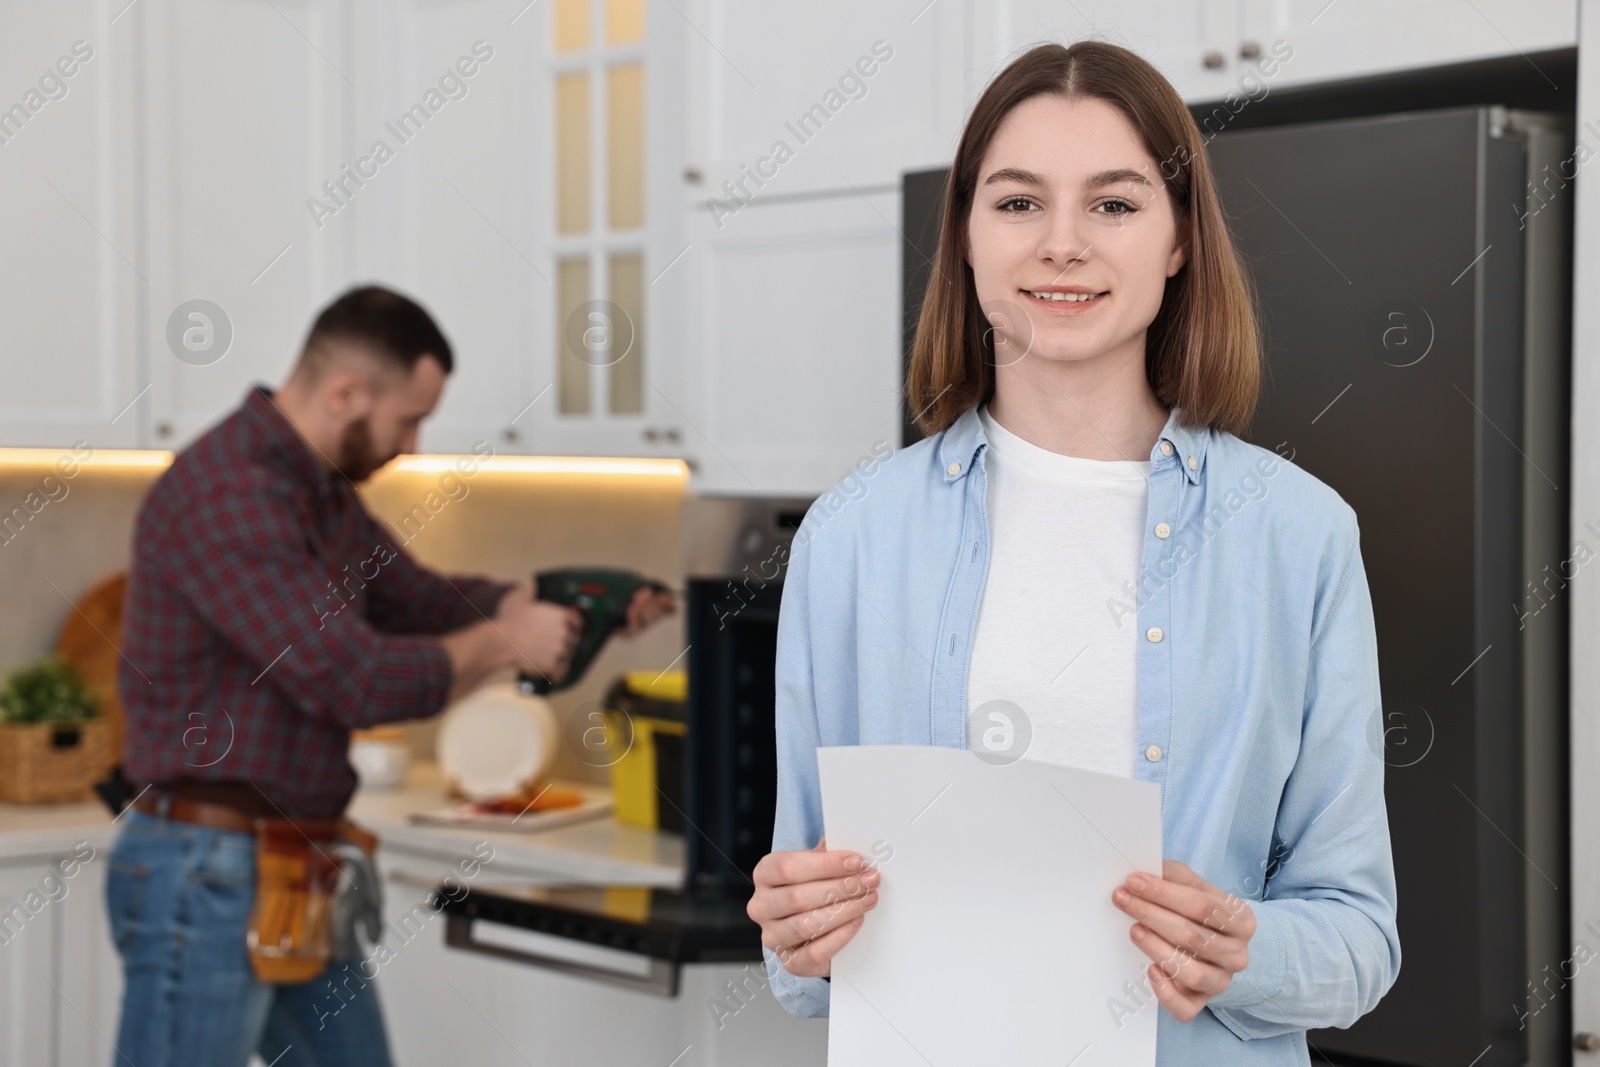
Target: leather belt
224	817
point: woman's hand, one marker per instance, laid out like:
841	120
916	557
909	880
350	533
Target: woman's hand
809	904
1196	934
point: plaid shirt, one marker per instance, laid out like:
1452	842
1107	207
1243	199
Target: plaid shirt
268	614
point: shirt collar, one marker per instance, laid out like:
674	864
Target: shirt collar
959	446
281	443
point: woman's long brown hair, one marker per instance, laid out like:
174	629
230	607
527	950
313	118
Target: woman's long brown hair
1202	351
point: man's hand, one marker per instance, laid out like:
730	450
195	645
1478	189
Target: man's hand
519	592
530	635
1196	934
646	607
541	636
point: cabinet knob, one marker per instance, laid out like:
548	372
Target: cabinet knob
671	434
163	429
692	175
1584	1041
650	433
509	433
1249	49
1212	60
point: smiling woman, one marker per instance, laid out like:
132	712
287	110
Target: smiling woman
1049	218
1086	354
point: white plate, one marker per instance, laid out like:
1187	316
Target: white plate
497	740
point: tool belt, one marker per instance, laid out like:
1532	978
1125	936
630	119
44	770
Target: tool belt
309	872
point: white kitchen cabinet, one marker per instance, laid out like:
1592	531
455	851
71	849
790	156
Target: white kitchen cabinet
795	335
1191	42
27	955
453	218
416	976
1355	38
409	145
90	969
464	218
801	122
790	99
1211	48
72	277
60	976
242	109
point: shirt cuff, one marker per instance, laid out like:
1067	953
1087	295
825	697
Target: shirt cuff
1262	977
803	998
484	596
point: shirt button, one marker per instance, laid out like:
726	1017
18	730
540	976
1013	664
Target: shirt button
954	468
1154	633
1166	448
1153	753
1163	530
1193	463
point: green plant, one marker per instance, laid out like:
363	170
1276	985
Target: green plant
47	690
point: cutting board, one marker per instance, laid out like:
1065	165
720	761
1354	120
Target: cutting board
89	639
596	803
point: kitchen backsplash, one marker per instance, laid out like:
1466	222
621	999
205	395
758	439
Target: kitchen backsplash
498	523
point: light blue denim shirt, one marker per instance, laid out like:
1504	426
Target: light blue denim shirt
1258	702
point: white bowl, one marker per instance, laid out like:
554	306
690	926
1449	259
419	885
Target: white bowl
380	763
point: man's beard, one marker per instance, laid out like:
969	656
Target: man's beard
357	458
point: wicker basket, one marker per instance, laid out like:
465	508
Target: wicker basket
53	762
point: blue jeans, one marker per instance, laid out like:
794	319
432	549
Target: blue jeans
179	898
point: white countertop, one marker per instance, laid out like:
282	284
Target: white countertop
44	831
595	852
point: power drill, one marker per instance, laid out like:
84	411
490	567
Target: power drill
602	594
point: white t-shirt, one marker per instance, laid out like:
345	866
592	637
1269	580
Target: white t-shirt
1065	534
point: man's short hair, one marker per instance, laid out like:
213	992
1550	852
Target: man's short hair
393	327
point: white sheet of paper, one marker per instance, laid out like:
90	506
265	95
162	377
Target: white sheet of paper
995	939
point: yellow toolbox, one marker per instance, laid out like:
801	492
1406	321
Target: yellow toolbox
646	721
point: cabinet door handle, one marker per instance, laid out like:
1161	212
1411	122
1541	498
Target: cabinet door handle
1584	1041
1249	49
1212	60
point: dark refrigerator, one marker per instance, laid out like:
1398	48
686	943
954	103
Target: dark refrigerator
1413	272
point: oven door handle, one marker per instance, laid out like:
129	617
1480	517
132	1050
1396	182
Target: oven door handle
657	976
